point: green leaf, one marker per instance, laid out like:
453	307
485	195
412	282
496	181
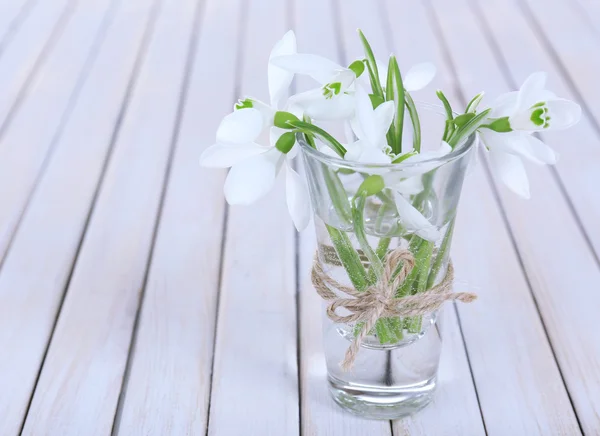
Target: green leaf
358	210
376	100
472	106
286	142
404	156
282	118
329	140
463	119
371	65
394	91
337	194
449	128
469	128
414	117
358	67
309	138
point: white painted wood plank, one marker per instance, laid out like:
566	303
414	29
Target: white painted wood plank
578	355
10	14
255	377
38	265
79	386
174	345
320	415
23	149
520	395
456	399
28	48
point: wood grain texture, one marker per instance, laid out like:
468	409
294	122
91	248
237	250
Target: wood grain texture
255	378
169	382
456	395
27	50
507	327
577	170
23	150
38	265
79	386
11	15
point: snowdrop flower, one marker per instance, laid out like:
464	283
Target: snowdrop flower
513	119
370	127
333	100
255	167
416	78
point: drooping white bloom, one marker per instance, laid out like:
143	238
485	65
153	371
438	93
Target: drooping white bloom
333	100
255	167
415	79
370	127
407	183
515	116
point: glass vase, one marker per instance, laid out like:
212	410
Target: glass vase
363	213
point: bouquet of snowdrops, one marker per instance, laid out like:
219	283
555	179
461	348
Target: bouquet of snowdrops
381	183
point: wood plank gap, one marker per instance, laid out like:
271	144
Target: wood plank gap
47	48
15	23
65	117
505	71
125	104
177	124
502	210
239	62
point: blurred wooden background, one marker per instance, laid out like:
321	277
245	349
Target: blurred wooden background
133	301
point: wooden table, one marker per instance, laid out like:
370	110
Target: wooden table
134	301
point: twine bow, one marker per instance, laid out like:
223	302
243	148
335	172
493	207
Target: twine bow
379	300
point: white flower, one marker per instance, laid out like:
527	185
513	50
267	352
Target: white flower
333	99
417	77
407	183
255	167
513	119
370	127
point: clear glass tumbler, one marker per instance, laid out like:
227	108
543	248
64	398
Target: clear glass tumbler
394	373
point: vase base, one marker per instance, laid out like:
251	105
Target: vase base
381	403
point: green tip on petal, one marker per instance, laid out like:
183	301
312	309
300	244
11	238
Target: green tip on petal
244	104
281	119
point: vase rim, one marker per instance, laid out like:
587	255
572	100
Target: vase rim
460	150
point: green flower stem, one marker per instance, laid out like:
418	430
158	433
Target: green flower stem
441	255
349	258
304	127
414	117
380	251
361	235
338	195
449	129
469	128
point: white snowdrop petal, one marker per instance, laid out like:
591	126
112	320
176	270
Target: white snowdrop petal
419	76
297	199
240	127
562	114
505	105
319	68
530	91
252	178
384	115
226	155
337	108
413	220
509	169
279	78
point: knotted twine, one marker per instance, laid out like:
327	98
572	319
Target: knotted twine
379	300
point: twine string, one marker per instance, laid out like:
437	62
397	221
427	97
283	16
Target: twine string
379	300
